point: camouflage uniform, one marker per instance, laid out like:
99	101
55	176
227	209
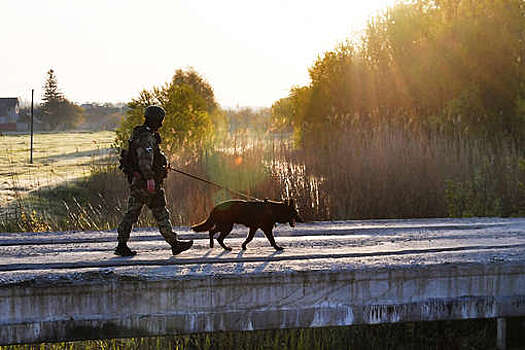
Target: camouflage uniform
148	154
144	163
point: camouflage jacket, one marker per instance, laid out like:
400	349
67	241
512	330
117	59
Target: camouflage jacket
149	160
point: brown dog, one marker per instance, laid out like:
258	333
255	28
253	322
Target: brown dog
253	214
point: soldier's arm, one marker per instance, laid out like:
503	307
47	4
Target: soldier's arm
145	156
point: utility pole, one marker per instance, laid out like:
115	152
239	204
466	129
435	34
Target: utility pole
31	156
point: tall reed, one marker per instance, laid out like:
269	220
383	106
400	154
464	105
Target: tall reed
386	172
397	173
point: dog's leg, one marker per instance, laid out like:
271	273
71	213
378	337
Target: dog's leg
225	230
212	232
250	237
269	234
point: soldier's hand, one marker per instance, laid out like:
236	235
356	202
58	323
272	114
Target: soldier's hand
150	186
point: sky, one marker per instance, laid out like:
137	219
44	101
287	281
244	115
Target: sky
251	52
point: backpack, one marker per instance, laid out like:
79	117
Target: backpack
128	159
125	164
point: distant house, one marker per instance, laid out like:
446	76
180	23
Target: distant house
9	114
87	106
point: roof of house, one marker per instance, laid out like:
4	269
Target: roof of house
7	102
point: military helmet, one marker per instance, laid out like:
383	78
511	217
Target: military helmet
154	112
154	116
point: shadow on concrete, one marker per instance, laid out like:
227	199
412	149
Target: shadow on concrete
261	267
197	267
239	267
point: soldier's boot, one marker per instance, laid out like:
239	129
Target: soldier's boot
180	246
177	246
122	249
165	228
125	226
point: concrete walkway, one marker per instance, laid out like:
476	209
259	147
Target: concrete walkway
67	286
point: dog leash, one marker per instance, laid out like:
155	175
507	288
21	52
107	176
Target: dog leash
212	183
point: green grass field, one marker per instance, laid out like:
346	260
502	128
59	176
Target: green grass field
57	158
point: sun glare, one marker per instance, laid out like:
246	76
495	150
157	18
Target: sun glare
252	52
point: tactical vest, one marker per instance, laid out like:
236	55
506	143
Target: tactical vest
128	158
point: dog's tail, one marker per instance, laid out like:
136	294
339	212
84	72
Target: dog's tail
204	226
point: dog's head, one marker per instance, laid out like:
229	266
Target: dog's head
292	215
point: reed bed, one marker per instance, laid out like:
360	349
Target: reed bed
384	173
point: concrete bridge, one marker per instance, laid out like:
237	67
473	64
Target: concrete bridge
69	286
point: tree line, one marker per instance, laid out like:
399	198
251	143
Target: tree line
423	116
446	65
193	116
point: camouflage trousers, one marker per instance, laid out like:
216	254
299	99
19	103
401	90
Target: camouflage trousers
139	197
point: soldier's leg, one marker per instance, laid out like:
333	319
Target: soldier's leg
135	204
162	216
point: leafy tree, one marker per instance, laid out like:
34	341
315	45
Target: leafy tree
451	65
200	86
188	122
71	115
282	114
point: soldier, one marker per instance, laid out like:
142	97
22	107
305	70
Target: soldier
146	167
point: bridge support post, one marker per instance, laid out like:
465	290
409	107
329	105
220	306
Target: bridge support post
501	335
